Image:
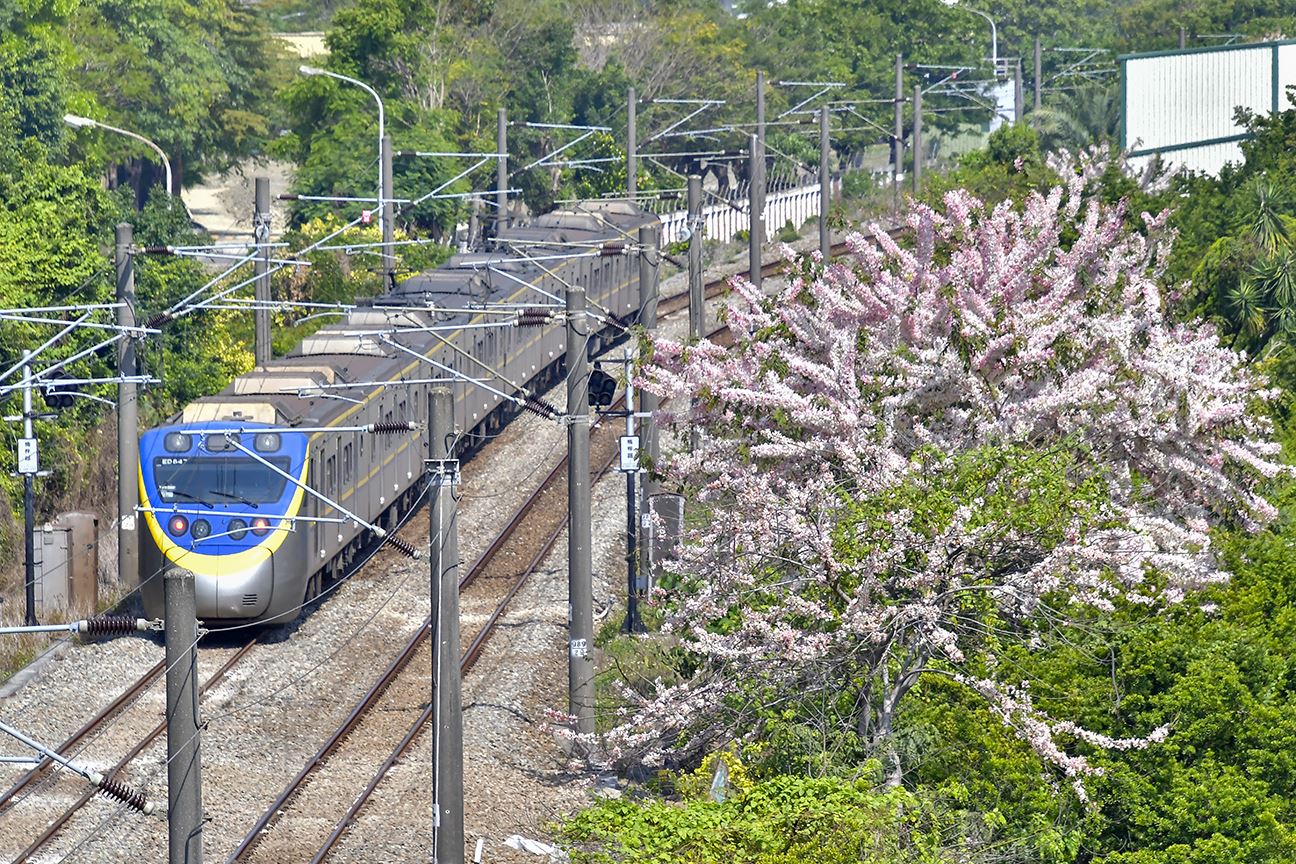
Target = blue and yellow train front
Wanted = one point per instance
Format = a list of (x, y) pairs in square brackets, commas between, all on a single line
[(226, 514)]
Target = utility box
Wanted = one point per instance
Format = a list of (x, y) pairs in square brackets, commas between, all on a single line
[(67, 565), (663, 541)]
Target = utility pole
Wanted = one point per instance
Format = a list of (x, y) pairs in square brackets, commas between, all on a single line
[(580, 573), (474, 223), (501, 171), (443, 532), (632, 623), (184, 745), (1183, 37), (632, 143), (388, 217), (649, 260), (261, 231), (917, 140), (697, 299), (756, 195), (128, 571), (755, 206), (825, 185), (696, 310), (28, 464), (1019, 100), (1039, 74), (897, 146)]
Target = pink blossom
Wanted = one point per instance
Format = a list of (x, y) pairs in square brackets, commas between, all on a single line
[(877, 375)]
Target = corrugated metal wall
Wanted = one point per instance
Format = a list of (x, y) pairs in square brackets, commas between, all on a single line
[(1180, 104)]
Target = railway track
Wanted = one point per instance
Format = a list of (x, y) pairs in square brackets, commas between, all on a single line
[(498, 573), (490, 584), (44, 780)]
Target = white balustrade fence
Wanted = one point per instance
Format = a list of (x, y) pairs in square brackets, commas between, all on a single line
[(723, 221)]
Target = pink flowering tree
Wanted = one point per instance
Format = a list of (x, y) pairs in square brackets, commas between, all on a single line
[(918, 453)]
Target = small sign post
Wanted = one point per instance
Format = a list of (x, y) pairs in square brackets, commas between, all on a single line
[(629, 453)]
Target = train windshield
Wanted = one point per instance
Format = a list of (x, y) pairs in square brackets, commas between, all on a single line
[(219, 479)]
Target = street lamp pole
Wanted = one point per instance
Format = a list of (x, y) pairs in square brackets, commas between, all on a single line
[(383, 194), (83, 122), (994, 32)]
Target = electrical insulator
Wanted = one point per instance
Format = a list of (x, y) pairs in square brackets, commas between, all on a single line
[(116, 625), (401, 546), (533, 317), (536, 405), (158, 320), (610, 249), (132, 798), (391, 428)]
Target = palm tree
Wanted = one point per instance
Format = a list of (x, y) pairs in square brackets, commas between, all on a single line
[(1262, 306), (1088, 114)]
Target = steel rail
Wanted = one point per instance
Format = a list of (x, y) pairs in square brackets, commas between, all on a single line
[(467, 659), (268, 817), (65, 749)]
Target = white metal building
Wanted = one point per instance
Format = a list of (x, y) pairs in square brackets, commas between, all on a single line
[(1180, 104)]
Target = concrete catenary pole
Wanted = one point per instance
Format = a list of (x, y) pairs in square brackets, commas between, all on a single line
[(917, 139), (443, 534), (261, 232), (580, 574), (649, 261), (696, 310), (1039, 74), (501, 170), (632, 143), (897, 138), (1183, 38), (1019, 98), (756, 195), (825, 185), (388, 217), (755, 207), (184, 742), (128, 571), (474, 223)]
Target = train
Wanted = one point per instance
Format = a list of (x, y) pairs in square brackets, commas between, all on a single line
[(225, 485)]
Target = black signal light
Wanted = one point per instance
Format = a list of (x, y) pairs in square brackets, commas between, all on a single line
[(602, 388)]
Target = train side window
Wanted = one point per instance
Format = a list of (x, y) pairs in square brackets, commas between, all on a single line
[(402, 411), (387, 439), (330, 474), (346, 464)]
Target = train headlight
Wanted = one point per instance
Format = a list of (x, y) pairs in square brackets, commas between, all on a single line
[(177, 525), (237, 529), (219, 444), (267, 442), (260, 526), (201, 529), (177, 442)]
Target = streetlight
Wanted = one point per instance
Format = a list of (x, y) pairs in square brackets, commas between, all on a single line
[(315, 70), (83, 122), (994, 32)]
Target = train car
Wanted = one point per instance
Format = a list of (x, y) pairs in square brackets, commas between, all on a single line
[(220, 500)]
